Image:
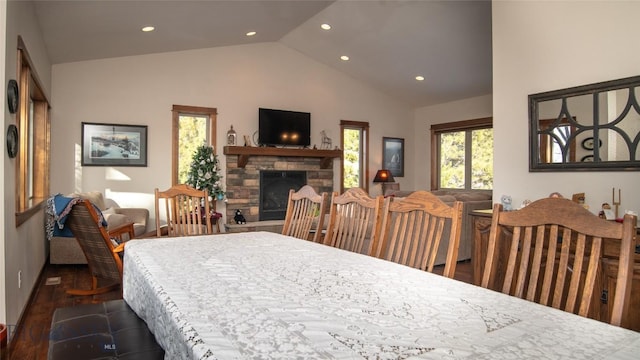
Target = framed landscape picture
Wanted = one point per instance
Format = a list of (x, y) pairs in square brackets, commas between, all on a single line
[(393, 155), (114, 145)]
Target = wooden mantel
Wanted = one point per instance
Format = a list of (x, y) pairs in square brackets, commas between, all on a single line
[(244, 152)]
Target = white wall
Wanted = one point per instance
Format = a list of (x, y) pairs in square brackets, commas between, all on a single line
[(236, 80), (467, 109), (24, 248), (548, 45)]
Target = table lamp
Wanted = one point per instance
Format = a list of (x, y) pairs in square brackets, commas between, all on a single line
[(383, 176)]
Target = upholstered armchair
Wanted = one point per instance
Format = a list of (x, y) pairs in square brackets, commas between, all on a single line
[(64, 248)]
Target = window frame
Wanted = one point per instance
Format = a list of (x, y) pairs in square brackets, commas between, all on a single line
[(438, 129), (34, 128), (546, 146), (363, 127), (176, 111)]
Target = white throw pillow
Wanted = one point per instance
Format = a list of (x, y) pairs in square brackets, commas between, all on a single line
[(95, 197), (115, 220), (109, 211)]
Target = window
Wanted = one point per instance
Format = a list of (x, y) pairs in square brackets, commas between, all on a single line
[(462, 155), (192, 127), (354, 139), (558, 146), (32, 117)]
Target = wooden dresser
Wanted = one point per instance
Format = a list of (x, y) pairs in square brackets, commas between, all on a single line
[(605, 282)]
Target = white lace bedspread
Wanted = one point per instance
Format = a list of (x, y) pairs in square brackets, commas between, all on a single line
[(266, 296)]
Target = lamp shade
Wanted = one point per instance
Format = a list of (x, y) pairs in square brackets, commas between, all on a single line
[(383, 176)]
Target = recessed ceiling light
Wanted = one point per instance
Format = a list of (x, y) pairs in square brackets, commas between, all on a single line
[(420, 78), (251, 33), (148, 28), (325, 26), (344, 58)]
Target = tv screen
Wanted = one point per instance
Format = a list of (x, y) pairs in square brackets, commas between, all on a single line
[(283, 127)]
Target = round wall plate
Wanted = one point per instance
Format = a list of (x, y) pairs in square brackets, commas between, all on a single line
[(588, 143), (13, 96), (12, 141)]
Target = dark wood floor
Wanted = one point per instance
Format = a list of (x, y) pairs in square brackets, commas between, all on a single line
[(32, 339)]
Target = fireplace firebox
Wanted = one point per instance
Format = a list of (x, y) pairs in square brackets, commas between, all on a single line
[(274, 192)]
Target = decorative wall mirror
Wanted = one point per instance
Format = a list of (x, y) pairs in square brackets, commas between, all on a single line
[(593, 127)]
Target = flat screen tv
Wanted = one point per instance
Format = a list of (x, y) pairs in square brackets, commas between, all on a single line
[(284, 128)]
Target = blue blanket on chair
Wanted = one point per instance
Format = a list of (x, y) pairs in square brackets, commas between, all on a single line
[(58, 209)]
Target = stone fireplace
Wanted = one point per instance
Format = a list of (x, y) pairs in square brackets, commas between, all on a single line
[(245, 165)]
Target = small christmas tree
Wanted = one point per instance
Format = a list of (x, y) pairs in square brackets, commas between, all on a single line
[(204, 172)]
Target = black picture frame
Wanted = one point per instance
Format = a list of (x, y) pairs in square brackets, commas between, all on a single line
[(393, 155), (114, 145)]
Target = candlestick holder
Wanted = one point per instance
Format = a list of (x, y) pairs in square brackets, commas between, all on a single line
[(614, 202)]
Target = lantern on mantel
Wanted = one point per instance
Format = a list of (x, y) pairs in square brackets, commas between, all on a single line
[(232, 137)]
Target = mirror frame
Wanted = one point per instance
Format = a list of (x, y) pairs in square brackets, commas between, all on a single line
[(535, 165)]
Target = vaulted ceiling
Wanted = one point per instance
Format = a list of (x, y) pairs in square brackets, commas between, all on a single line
[(388, 42)]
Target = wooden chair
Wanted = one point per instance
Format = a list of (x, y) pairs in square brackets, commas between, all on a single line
[(103, 255), (305, 208), (183, 206), (413, 228), (555, 248), (354, 221)]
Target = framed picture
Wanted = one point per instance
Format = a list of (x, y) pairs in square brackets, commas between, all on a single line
[(114, 145), (393, 155)]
